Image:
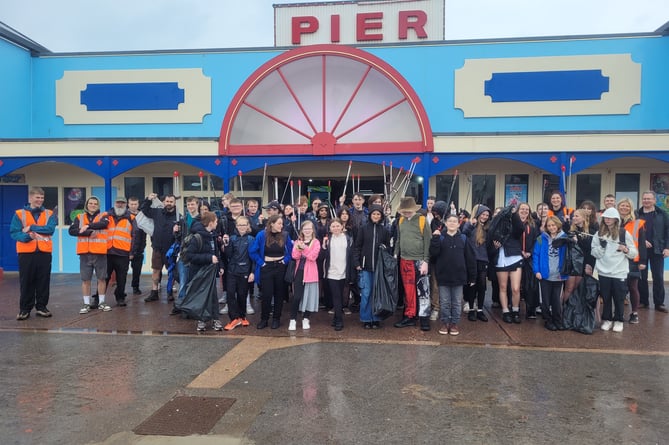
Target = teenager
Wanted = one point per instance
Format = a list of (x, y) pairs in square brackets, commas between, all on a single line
[(455, 268), (271, 251), (306, 250), (239, 272), (547, 261), (475, 230), (370, 237), (613, 254), (337, 262)]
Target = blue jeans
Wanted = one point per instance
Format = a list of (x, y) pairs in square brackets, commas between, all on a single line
[(365, 283), (450, 300), (184, 272)]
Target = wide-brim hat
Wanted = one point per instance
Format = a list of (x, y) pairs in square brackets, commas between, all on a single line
[(408, 203)]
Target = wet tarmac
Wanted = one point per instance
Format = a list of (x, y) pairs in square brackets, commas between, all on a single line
[(94, 378)]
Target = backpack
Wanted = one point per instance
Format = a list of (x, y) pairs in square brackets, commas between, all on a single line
[(188, 246), (421, 222)]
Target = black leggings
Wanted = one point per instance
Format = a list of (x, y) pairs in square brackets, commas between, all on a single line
[(477, 291)]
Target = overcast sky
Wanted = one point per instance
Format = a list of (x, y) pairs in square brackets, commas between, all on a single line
[(118, 25)]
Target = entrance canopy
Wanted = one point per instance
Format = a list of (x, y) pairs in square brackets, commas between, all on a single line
[(325, 100)]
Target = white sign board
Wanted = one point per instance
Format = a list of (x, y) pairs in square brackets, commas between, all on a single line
[(358, 22)]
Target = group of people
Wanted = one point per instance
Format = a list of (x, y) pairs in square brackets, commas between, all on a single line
[(543, 257), (317, 257), (106, 244)]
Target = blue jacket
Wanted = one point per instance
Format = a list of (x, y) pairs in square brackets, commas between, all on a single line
[(16, 227), (257, 252), (540, 255)]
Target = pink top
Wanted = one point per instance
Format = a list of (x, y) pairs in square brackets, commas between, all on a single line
[(311, 254)]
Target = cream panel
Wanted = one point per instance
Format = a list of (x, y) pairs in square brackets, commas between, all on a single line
[(197, 101), (109, 148), (624, 86), (551, 143)]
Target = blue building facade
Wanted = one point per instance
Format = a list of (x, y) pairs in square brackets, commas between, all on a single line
[(489, 120)]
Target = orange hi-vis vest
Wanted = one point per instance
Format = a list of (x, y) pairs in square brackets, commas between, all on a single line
[(633, 227), (41, 242), (97, 242), (119, 236)]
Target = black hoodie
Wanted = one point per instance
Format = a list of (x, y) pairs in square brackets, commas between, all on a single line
[(367, 241)]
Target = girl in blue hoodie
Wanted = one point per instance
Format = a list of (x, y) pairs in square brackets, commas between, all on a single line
[(547, 262)]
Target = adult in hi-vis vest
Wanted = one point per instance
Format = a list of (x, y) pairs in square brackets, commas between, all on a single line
[(90, 228), (119, 245), (32, 228)]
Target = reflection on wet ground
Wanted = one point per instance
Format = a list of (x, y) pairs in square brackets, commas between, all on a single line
[(93, 378)]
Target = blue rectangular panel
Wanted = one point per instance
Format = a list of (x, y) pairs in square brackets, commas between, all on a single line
[(132, 96), (547, 86)]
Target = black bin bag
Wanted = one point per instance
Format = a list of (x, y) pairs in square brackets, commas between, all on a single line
[(384, 290)]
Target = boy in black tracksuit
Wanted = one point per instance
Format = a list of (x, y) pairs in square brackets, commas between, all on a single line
[(239, 271)]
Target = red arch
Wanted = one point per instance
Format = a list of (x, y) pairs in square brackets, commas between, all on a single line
[(323, 142)]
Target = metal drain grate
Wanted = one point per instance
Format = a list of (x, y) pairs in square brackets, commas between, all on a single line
[(183, 416)]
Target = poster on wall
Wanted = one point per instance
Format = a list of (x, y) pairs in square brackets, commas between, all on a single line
[(659, 183), (514, 194), (75, 198)]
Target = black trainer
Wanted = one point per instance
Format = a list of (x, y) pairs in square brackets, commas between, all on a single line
[(405, 322), (424, 323), (506, 317), (471, 316)]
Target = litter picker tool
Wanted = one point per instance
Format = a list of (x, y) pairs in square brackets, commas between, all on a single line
[(241, 186), (450, 193), (285, 189)]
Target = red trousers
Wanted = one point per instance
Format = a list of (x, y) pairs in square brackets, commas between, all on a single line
[(408, 277)]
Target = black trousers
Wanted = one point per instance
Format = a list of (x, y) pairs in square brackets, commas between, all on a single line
[(613, 291), (273, 287), (551, 300), (136, 264), (238, 289), (337, 292), (120, 265), (657, 270), (34, 280)]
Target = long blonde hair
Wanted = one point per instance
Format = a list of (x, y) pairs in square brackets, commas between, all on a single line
[(629, 203), (586, 221)]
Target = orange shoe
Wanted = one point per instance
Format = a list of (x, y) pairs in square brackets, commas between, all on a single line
[(245, 322), (233, 324)]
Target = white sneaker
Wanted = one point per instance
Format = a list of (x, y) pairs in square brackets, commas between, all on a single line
[(465, 308), (201, 326), (104, 307), (606, 325), (224, 310), (292, 325), (249, 307), (617, 326), (85, 309), (305, 323), (434, 315)]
